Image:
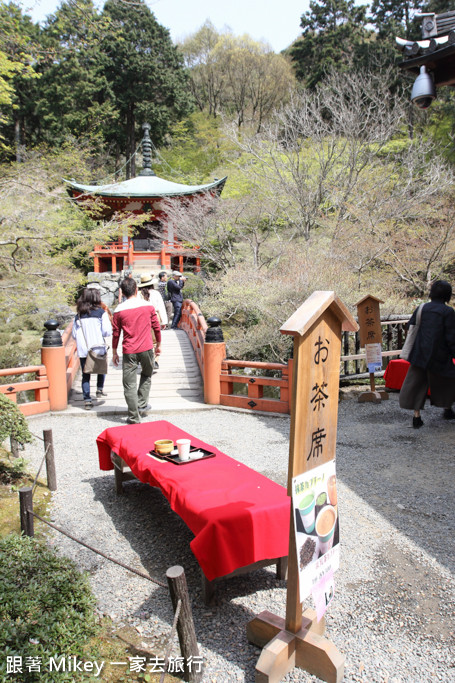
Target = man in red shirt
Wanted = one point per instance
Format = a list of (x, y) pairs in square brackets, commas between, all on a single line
[(135, 317)]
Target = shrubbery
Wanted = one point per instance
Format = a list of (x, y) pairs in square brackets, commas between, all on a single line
[(12, 423), (17, 350), (46, 609)]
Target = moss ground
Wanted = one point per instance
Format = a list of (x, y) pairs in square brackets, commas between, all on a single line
[(109, 645)]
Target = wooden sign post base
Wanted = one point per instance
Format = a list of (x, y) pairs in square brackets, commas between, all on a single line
[(284, 650), (370, 397), (373, 396)]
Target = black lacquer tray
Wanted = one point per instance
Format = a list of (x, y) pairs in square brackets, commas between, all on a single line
[(175, 460)]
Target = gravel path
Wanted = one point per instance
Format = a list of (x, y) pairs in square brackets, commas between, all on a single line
[(393, 613)]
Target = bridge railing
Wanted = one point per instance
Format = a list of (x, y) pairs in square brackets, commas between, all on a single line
[(249, 384), (47, 381), (71, 358), (195, 325), (267, 387), (40, 385)]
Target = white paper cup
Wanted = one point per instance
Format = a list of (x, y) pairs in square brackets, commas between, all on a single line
[(183, 447)]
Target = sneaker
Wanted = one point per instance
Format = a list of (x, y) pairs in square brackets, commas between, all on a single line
[(100, 393), (88, 405), (145, 411), (417, 422), (448, 414), (131, 422)]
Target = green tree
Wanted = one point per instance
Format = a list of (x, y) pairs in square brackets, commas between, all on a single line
[(397, 18), (19, 56), (42, 234), (207, 80), (195, 148), (145, 73), (256, 79), (236, 76), (332, 33), (73, 96)]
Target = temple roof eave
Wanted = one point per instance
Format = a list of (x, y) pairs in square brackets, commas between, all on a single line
[(437, 54), (145, 187)]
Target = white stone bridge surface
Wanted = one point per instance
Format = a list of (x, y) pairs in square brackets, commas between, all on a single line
[(176, 385)]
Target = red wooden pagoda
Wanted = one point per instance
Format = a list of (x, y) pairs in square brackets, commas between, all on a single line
[(144, 194)]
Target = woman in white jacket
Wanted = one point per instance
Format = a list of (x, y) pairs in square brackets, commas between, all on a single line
[(148, 293), (90, 327)]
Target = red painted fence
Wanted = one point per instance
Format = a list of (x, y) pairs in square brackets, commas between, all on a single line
[(249, 385), (40, 384)]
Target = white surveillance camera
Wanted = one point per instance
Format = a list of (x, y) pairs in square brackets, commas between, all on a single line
[(423, 91)]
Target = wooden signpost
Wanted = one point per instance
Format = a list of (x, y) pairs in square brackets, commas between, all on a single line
[(298, 640), (371, 339)]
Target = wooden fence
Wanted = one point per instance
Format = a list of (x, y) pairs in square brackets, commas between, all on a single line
[(39, 383), (250, 385), (71, 357), (195, 325), (267, 387), (353, 360)]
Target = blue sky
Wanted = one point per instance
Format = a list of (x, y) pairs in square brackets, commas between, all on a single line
[(275, 22)]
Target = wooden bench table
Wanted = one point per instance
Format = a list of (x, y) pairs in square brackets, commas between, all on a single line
[(239, 517)]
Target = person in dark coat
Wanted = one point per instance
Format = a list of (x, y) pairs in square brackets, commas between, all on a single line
[(174, 288), (431, 356)]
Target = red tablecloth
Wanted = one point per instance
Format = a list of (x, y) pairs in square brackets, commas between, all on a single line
[(237, 515), (395, 373)]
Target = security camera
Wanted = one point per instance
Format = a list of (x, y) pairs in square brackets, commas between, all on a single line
[(423, 90)]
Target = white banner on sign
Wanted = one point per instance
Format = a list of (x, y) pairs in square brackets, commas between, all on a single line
[(373, 357), (315, 505)]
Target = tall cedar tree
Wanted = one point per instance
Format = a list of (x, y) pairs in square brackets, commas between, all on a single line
[(145, 72), (19, 57), (72, 97), (332, 32), (396, 18)]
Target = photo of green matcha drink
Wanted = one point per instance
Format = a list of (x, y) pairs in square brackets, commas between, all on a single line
[(307, 511)]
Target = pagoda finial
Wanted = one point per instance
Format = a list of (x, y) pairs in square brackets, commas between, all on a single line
[(146, 151)]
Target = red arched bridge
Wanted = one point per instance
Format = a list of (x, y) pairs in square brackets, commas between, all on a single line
[(192, 374)]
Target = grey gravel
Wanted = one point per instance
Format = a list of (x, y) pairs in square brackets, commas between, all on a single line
[(393, 612)]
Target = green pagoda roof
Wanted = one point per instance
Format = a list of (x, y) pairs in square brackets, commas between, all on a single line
[(146, 186)]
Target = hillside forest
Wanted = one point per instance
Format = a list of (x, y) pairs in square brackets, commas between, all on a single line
[(335, 181)]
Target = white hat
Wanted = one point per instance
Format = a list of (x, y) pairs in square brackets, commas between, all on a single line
[(146, 281), (176, 273)]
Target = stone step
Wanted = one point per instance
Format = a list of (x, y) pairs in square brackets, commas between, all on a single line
[(177, 384)]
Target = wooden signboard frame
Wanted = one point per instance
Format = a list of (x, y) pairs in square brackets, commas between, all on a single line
[(369, 318), (298, 640)]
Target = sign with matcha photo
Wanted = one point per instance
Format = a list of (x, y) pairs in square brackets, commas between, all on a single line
[(315, 504)]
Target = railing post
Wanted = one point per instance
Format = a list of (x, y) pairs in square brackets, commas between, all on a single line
[(50, 460), (26, 503), (226, 386), (53, 357), (185, 627), (214, 354), (255, 390), (41, 394)]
